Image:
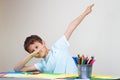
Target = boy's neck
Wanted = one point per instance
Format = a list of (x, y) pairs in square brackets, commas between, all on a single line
[(47, 51)]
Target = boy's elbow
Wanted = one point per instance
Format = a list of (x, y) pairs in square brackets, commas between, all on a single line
[(19, 70), (16, 69)]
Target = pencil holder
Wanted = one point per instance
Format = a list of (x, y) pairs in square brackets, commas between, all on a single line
[(84, 71)]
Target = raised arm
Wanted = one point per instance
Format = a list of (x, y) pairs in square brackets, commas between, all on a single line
[(73, 25)]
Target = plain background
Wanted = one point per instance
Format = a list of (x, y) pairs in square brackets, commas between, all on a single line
[(97, 35)]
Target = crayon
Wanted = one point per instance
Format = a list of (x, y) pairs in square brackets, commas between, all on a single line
[(92, 62), (91, 59)]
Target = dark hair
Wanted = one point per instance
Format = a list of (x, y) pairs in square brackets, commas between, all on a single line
[(30, 40)]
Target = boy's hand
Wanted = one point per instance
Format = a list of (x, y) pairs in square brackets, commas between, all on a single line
[(89, 9), (35, 53)]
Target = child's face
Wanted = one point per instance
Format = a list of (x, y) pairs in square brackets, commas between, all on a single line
[(38, 46)]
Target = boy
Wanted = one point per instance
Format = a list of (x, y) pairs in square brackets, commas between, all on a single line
[(55, 60)]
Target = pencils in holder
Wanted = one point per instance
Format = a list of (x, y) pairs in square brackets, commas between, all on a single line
[(85, 60)]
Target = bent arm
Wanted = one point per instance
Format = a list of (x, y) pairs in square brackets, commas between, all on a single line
[(20, 66), (73, 25)]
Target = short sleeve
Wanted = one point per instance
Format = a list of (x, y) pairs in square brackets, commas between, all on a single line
[(62, 43), (38, 66)]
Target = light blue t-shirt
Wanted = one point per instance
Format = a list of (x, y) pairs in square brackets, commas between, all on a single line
[(58, 59)]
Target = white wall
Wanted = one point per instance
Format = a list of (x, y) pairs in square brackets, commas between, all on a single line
[(97, 35)]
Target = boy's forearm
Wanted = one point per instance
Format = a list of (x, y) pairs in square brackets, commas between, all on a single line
[(73, 25), (19, 66), (77, 21)]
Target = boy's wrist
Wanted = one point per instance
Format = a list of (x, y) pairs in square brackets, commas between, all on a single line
[(31, 55)]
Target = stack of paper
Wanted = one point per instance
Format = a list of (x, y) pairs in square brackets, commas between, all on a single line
[(41, 75), (49, 75)]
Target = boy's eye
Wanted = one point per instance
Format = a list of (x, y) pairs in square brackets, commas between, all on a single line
[(32, 51), (36, 47)]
